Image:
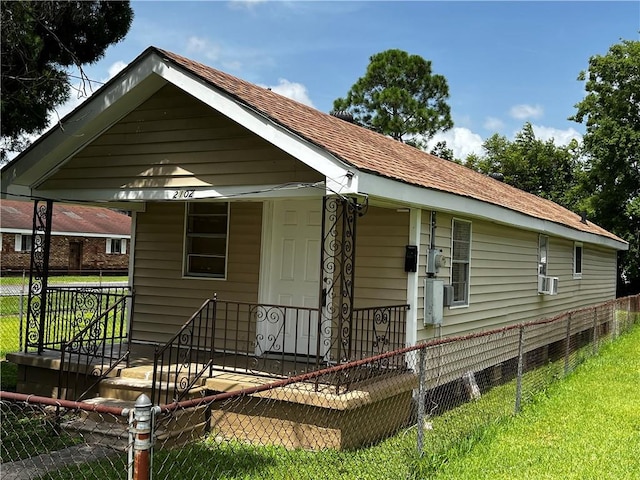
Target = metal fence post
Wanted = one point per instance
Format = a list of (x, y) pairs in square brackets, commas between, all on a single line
[(520, 368), (421, 399), (567, 349), (615, 327), (595, 331), (142, 416)]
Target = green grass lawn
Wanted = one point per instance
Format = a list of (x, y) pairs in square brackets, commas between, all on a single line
[(585, 427), (9, 334)]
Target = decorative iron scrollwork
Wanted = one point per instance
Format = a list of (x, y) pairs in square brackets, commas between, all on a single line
[(38, 274), (337, 261)]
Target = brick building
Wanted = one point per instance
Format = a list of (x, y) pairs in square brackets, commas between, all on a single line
[(83, 239)]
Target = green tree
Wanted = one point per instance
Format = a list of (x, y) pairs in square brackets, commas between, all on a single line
[(611, 112), (399, 96), (533, 165), (442, 150), (39, 42)]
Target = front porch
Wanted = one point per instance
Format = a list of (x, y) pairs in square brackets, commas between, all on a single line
[(288, 302), (213, 352), (192, 367), (306, 313)]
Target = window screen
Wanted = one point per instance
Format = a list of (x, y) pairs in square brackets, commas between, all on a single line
[(460, 257), (206, 239)]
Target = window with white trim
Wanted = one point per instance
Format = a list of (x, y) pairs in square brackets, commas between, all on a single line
[(543, 254), (206, 233), (116, 246), (577, 260), (460, 261), (23, 243)]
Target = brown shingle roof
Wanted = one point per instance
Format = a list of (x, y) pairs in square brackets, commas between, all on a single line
[(374, 153), (66, 218)]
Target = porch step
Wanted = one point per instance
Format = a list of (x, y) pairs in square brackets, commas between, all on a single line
[(232, 381), (114, 435), (99, 428), (144, 372), (107, 402), (130, 388), (173, 429)]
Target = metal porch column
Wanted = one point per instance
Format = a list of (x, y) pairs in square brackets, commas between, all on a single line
[(38, 275), (337, 270)]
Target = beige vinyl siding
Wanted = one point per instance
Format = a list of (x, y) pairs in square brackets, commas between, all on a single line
[(164, 298), (503, 278), (380, 279), (381, 237), (174, 141)]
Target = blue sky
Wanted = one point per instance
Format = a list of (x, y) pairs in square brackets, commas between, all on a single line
[(506, 62)]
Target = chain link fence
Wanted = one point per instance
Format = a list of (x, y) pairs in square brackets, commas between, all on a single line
[(396, 415)]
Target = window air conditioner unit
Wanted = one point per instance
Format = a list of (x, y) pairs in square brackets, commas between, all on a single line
[(547, 285)]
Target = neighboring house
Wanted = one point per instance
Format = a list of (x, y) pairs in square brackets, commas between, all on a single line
[(238, 191), (83, 239)]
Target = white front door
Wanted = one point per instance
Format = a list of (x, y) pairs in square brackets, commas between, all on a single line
[(293, 277)]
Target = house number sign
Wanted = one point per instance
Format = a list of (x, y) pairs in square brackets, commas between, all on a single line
[(180, 194)]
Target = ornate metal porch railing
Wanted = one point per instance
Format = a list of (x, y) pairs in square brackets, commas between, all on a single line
[(378, 330), (95, 351), (185, 358), (267, 340), (68, 311)]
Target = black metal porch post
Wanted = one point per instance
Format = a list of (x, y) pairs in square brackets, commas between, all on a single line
[(38, 274), (337, 262)]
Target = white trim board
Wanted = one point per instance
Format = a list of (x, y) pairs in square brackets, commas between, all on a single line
[(471, 208)]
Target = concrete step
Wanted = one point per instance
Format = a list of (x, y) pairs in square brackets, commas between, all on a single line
[(97, 432), (129, 389), (167, 374), (123, 388), (107, 402), (172, 429)]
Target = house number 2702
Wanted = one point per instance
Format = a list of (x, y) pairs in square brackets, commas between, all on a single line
[(177, 194)]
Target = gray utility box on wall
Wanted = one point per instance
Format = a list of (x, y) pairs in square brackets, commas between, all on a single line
[(433, 301)]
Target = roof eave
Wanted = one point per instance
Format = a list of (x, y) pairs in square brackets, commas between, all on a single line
[(414, 195)]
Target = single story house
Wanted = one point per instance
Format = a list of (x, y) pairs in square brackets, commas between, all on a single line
[(320, 239), (83, 238)]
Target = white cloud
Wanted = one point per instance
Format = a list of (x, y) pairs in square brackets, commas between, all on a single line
[(459, 139), (524, 111), (292, 90), (203, 47), (493, 123), (560, 137), (245, 4), (230, 58)]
